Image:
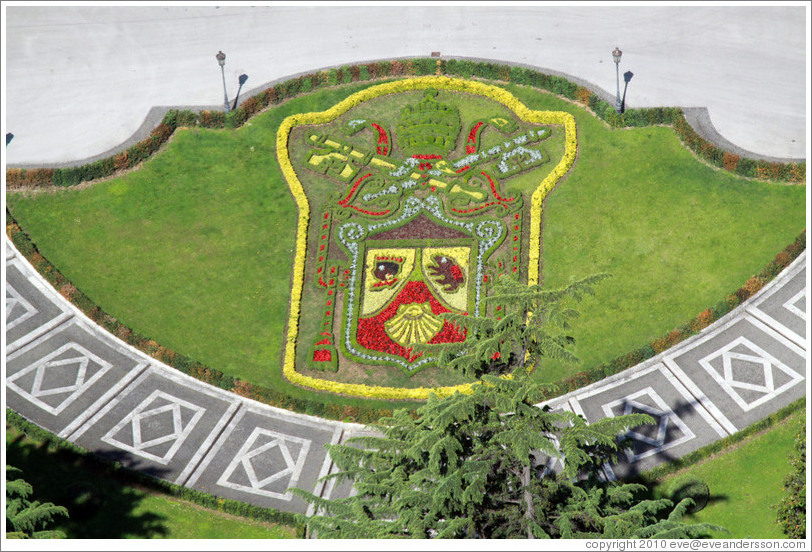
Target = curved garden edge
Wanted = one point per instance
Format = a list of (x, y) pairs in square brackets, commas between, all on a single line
[(692, 124), (362, 414), (21, 179)]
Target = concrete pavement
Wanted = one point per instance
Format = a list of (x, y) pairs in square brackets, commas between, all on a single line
[(80, 382), (81, 80)]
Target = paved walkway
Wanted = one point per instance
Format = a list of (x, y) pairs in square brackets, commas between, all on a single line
[(69, 376), (81, 79)]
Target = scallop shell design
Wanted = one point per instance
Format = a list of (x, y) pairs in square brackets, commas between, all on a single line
[(413, 323)]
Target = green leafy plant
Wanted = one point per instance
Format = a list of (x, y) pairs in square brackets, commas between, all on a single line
[(476, 466), (27, 519)]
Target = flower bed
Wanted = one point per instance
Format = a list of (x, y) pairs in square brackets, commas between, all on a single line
[(397, 298), (17, 178)]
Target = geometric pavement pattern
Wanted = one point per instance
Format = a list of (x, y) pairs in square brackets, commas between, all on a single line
[(157, 428), (18, 310), (667, 431), (748, 373), (267, 464), (797, 304), (57, 380)]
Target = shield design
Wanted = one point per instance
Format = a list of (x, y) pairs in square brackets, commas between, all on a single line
[(414, 213)]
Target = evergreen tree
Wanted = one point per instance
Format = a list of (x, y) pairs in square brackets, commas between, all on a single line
[(531, 323), (26, 519), (474, 466)]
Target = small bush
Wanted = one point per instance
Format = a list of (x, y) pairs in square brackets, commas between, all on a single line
[(583, 95), (730, 161)]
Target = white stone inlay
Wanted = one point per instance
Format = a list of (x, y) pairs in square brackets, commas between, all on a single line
[(250, 451), (757, 363), (663, 416), (18, 309), (182, 417), (50, 366), (797, 304)]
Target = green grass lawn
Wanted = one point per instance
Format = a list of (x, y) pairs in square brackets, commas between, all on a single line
[(746, 482), (125, 511), (195, 248)]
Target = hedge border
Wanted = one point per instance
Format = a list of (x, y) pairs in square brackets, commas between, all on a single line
[(129, 476), (19, 178), (364, 414), (370, 72)]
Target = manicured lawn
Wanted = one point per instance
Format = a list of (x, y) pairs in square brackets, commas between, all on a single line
[(125, 511), (195, 249), (745, 482), (675, 234)]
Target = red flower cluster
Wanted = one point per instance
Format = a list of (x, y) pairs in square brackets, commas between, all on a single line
[(372, 334), (472, 138), (343, 202), (383, 140)]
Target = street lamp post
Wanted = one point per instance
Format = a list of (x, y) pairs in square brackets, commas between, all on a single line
[(616, 53), (221, 59)]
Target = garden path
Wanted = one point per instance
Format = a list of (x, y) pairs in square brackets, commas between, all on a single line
[(73, 378)]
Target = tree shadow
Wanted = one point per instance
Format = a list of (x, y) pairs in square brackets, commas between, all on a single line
[(635, 471), (101, 501)]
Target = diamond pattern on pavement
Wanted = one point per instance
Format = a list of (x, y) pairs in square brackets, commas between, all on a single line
[(18, 310), (797, 305), (268, 464), (749, 374), (668, 430), (157, 428), (58, 379)]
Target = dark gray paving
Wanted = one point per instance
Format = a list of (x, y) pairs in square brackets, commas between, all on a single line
[(162, 424), (30, 309), (744, 368), (73, 378), (261, 455), (784, 307), (63, 377), (681, 423)]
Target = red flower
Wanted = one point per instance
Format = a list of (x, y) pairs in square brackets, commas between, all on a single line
[(322, 355), (372, 334)]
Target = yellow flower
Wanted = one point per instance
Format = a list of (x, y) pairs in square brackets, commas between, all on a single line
[(417, 83)]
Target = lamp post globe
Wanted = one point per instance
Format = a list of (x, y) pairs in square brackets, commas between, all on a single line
[(616, 53), (221, 59)]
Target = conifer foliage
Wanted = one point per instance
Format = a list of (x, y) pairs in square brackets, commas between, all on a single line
[(525, 325), (475, 466), (26, 519)]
